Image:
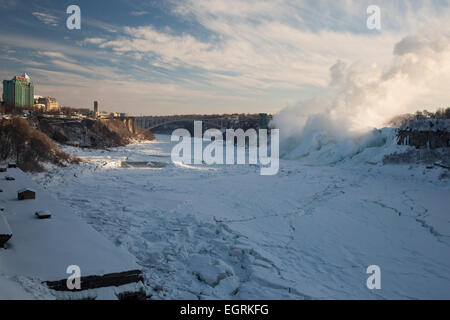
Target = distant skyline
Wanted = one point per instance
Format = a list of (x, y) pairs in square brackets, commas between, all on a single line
[(197, 56)]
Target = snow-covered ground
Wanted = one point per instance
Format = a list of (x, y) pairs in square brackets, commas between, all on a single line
[(42, 250), (308, 232)]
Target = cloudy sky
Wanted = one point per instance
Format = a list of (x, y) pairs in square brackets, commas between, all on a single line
[(198, 56)]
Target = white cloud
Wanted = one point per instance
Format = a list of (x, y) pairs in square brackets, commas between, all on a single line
[(139, 13), (96, 41), (46, 18), (280, 44), (44, 45), (57, 55), (248, 55), (131, 96), (271, 54)]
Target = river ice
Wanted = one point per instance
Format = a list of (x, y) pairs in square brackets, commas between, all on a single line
[(226, 232)]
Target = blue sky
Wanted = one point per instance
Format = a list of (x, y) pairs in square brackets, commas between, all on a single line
[(198, 56)]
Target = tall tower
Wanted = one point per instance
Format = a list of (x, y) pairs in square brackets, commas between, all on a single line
[(96, 108), (262, 121)]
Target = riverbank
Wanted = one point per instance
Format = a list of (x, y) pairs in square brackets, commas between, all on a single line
[(34, 143), (93, 133)]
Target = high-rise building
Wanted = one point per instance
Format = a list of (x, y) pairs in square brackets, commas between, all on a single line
[(19, 91)]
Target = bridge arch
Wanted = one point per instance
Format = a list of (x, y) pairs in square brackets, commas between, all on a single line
[(206, 124)]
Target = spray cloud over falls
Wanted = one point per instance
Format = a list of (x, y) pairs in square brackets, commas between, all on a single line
[(363, 98)]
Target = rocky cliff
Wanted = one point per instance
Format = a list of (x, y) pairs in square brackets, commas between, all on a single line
[(430, 133), (101, 133), (31, 142)]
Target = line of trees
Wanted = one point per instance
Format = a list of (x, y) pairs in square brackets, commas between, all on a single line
[(441, 113)]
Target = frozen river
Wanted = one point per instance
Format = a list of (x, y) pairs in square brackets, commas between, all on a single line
[(224, 232)]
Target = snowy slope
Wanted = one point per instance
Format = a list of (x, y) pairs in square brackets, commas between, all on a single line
[(23, 288), (309, 232)]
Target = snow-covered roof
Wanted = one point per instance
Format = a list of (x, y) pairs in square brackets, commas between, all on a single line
[(25, 189), (43, 212)]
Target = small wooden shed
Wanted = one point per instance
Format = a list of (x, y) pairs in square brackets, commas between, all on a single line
[(26, 194), (12, 165), (43, 214), (5, 231)]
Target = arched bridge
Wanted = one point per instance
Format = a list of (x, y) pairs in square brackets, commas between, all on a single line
[(151, 123), (217, 123)]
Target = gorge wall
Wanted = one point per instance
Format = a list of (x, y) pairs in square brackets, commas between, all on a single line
[(90, 133)]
